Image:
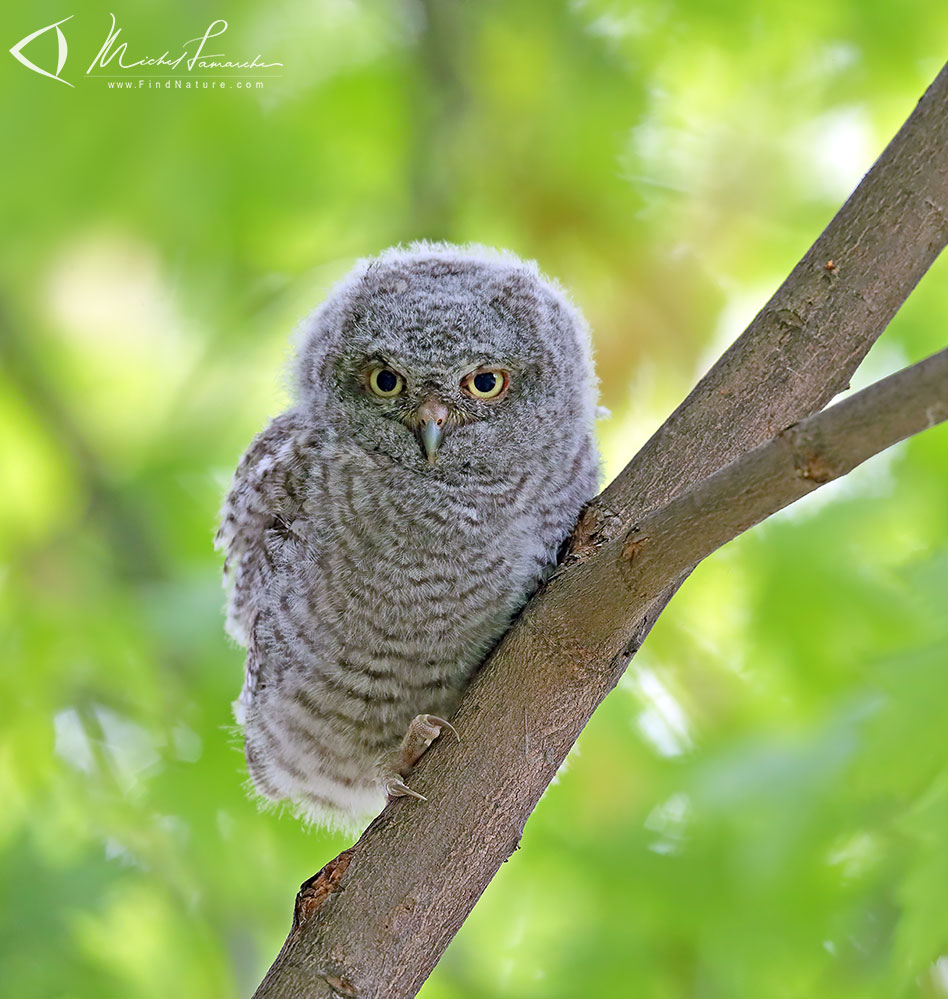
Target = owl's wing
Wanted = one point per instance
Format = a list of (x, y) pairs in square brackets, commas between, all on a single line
[(261, 521)]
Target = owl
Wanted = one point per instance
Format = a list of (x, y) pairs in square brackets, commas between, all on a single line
[(382, 532)]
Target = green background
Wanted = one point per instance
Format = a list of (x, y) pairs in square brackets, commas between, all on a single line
[(760, 809)]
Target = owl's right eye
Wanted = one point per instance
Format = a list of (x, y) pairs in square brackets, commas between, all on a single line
[(385, 383)]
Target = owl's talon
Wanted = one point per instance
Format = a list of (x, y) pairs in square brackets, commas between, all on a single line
[(399, 789), (422, 732), (435, 720)]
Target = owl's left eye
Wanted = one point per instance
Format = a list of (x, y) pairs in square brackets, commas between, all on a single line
[(486, 383), (385, 383)]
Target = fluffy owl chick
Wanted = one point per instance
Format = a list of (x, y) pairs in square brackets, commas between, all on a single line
[(381, 533)]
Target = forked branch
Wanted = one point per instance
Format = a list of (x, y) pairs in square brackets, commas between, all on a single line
[(376, 920)]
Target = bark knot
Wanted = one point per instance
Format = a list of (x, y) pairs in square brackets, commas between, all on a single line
[(340, 986), (817, 469), (319, 887), (810, 460), (789, 319), (633, 545), (596, 525)]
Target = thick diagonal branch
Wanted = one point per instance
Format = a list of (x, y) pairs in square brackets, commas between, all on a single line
[(411, 880)]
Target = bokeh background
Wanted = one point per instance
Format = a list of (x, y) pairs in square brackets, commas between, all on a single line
[(760, 809)]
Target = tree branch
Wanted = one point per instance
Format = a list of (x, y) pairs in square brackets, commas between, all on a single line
[(375, 921)]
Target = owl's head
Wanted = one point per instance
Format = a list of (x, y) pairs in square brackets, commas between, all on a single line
[(450, 360)]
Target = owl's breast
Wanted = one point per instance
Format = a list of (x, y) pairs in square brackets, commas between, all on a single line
[(412, 567)]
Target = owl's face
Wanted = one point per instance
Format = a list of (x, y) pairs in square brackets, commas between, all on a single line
[(450, 362)]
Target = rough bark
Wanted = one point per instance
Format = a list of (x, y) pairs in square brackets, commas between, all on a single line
[(375, 921)]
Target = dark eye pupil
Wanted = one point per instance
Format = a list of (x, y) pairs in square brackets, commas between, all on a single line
[(485, 381), (386, 380)]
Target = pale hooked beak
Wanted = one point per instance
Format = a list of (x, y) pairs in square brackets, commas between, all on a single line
[(432, 417)]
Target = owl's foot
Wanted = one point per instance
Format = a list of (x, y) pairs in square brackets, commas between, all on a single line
[(422, 731)]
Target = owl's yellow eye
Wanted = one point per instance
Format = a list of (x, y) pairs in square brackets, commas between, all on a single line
[(486, 383), (385, 383)]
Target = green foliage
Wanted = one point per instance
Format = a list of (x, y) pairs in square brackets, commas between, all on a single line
[(760, 809)]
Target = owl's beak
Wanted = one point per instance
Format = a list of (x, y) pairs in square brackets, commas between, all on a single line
[(432, 416)]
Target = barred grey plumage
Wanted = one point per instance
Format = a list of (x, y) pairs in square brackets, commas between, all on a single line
[(381, 533)]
